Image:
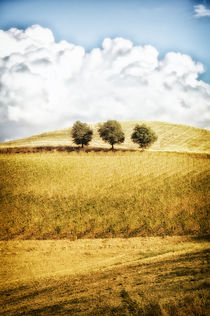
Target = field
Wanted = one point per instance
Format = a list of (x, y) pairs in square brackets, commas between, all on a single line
[(171, 137), (106, 233), (61, 195), (134, 276)]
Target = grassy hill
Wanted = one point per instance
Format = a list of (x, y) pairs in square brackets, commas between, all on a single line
[(57, 195), (62, 195), (171, 137), (135, 276), (60, 213)]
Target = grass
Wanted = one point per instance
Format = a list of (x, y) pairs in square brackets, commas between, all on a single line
[(171, 137), (51, 202), (77, 195), (135, 276)]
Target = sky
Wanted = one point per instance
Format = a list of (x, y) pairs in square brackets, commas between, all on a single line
[(93, 60)]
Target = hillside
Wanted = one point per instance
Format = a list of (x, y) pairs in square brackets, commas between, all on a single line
[(62, 195), (106, 233), (135, 276), (171, 137)]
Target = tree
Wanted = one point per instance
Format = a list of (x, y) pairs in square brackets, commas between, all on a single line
[(111, 132), (144, 136), (81, 133)]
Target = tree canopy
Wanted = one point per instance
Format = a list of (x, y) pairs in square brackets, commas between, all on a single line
[(143, 135), (81, 133), (111, 132)]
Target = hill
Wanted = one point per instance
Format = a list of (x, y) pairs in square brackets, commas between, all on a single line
[(114, 194), (171, 137), (104, 233), (135, 276)]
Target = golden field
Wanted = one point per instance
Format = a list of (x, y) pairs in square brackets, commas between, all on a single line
[(106, 233), (134, 276), (171, 137), (62, 195)]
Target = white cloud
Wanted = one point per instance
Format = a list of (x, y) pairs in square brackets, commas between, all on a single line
[(48, 85), (201, 11)]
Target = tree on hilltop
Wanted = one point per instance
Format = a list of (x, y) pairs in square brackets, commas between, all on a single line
[(81, 133), (111, 132), (144, 136)]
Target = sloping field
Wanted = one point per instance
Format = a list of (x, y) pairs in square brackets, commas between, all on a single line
[(171, 137), (57, 208), (135, 276), (74, 195)]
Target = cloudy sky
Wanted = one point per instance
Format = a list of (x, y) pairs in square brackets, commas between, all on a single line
[(93, 60)]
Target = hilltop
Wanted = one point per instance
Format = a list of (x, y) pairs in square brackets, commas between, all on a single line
[(171, 137)]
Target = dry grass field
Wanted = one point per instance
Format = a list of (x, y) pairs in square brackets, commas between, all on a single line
[(71, 195), (106, 233), (134, 276), (171, 137)]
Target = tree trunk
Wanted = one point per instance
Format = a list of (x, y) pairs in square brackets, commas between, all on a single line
[(82, 145), (112, 146)]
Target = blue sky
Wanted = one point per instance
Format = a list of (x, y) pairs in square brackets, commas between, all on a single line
[(93, 60), (168, 25)]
